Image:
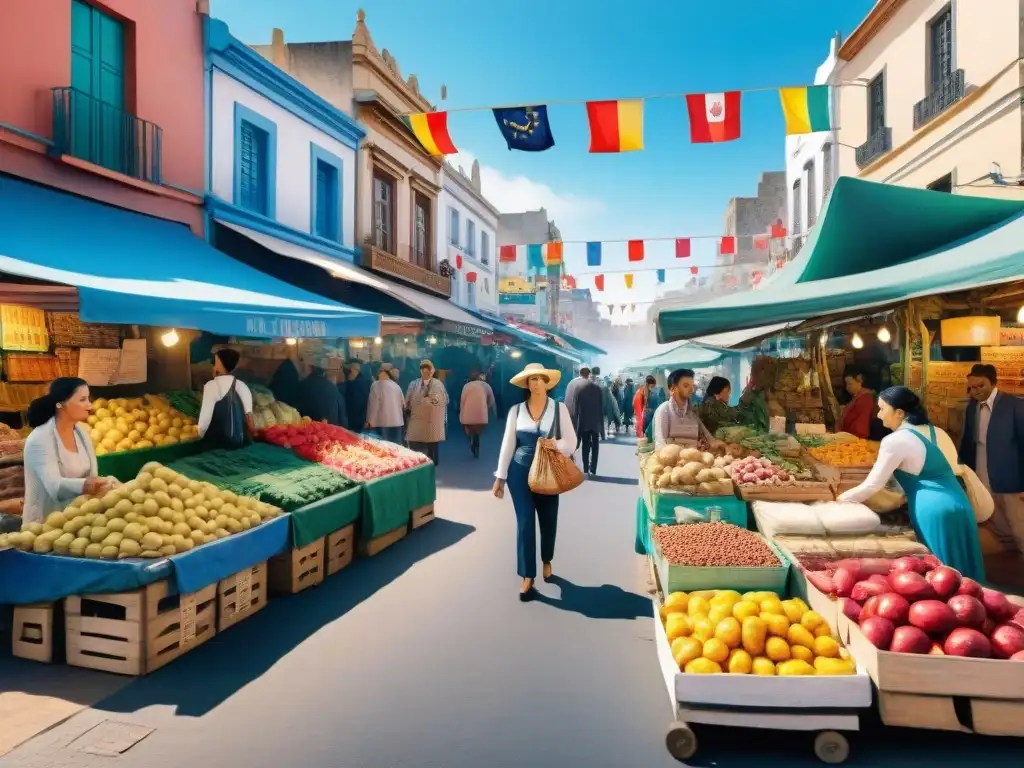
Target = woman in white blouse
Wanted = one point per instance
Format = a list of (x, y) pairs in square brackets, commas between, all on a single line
[(939, 509), (528, 422), (60, 462)]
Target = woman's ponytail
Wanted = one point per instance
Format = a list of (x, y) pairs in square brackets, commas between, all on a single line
[(41, 410)]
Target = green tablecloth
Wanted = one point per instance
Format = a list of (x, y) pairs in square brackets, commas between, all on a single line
[(316, 520), (127, 464), (387, 501), (642, 542)]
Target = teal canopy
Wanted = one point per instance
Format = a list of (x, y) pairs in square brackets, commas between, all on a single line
[(689, 354), (876, 244)]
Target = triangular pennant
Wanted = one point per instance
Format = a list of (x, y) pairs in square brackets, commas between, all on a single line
[(693, 270), (599, 282)]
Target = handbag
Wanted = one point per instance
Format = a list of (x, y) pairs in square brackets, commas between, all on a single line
[(982, 503), (552, 472)]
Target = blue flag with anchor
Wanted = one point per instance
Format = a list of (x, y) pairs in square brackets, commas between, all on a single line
[(525, 128)]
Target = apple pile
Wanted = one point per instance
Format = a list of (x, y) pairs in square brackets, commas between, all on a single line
[(919, 605)]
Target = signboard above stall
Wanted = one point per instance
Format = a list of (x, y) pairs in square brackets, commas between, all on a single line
[(23, 329)]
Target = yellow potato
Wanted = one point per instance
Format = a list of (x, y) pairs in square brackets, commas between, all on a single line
[(719, 612), (715, 650), (753, 634), (793, 610), (811, 620), (778, 625), (726, 597), (777, 649), (728, 630), (822, 630), (673, 603), (763, 666), (826, 646), (677, 625), (704, 594), (794, 667), (702, 666), (799, 635), (799, 652), (772, 605), (745, 608), (703, 629), (698, 606), (685, 650), (760, 597), (739, 662), (827, 666)]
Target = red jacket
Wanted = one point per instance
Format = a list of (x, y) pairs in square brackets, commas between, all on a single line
[(857, 416)]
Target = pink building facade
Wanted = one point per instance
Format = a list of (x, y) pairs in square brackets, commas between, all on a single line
[(106, 99)]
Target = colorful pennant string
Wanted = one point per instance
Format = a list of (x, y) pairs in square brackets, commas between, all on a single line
[(593, 254), (635, 250)]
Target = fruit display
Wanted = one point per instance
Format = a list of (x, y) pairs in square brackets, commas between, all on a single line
[(856, 453), (130, 424), (354, 456), (918, 605), (158, 514), (755, 633), (265, 472), (12, 489), (268, 412), (752, 471), (714, 545), (689, 470)]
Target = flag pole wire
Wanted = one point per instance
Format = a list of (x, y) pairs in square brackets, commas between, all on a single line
[(647, 239)]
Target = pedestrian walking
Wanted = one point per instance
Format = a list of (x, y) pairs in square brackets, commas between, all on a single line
[(320, 400), (626, 404), (645, 402), (538, 418), (385, 411), (427, 405), (588, 420), (357, 394), (475, 406)]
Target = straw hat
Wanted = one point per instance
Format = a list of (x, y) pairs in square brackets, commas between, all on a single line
[(536, 369)]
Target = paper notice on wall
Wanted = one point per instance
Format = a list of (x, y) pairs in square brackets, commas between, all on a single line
[(131, 368), (98, 366)]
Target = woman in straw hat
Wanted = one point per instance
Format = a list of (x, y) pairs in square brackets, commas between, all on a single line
[(528, 422)]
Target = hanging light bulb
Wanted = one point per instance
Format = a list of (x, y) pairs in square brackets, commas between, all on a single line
[(824, 338), (406, 339), (1020, 315), (857, 341), (515, 354), (170, 338), (883, 334), (432, 340), (291, 342), (378, 340)]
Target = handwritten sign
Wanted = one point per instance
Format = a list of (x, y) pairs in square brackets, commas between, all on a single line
[(131, 367), (98, 366), (23, 329)]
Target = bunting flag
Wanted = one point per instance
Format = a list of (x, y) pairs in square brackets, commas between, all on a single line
[(693, 270), (761, 242), (632, 307), (554, 253), (727, 246), (622, 308), (507, 254), (661, 275), (471, 277), (682, 247), (525, 128), (599, 282), (616, 126), (714, 117), (431, 130), (458, 261), (806, 109), (636, 250), (535, 257), (611, 308), (777, 231), (593, 254), (629, 280)]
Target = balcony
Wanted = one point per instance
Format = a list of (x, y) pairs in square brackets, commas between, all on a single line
[(945, 93), (877, 145), (402, 269), (91, 130)]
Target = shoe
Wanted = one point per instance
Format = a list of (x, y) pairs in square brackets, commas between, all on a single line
[(548, 574), (527, 594)]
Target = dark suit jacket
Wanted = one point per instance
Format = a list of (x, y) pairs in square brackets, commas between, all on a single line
[(320, 399), (571, 390), (589, 408), (1004, 443)]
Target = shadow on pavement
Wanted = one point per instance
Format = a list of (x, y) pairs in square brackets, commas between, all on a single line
[(615, 480), (246, 651), (604, 602)]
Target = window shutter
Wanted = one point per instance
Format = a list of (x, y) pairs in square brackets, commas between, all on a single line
[(249, 168)]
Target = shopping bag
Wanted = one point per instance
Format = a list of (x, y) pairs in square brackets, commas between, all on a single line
[(982, 503), (552, 472)]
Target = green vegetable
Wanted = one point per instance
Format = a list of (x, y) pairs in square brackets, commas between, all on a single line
[(185, 401)]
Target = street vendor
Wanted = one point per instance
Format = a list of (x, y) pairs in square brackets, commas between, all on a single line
[(940, 511), (856, 419), (676, 419), (715, 411)]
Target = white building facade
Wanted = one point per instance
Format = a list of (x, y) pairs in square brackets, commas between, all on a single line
[(468, 234), (811, 164)]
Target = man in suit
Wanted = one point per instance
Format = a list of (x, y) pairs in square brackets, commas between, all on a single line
[(572, 388), (587, 411), (993, 446)]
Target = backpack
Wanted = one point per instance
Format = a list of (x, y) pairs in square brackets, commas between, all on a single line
[(228, 427)]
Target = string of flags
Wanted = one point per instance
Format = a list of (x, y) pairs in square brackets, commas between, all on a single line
[(618, 125)]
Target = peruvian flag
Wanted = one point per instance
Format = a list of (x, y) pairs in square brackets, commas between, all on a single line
[(714, 116)]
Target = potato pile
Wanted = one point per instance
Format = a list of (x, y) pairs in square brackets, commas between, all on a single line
[(128, 424), (689, 470), (158, 514)]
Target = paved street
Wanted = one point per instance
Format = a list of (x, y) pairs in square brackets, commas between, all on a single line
[(423, 658)]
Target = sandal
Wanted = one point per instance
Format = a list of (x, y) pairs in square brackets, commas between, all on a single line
[(547, 572), (527, 591)]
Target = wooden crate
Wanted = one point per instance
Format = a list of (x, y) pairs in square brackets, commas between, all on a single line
[(341, 549), (137, 632), (376, 545), (297, 569), (422, 516), (241, 595), (817, 491), (33, 633), (987, 717)]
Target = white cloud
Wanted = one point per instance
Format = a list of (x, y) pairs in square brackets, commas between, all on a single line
[(513, 194)]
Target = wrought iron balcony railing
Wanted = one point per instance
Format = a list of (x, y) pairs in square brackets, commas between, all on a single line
[(403, 267), (91, 130), (945, 93), (877, 145)]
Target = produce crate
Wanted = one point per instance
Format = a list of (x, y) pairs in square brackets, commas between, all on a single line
[(685, 578), (241, 595), (35, 628), (31, 367), (421, 516), (376, 545), (987, 717), (810, 491), (341, 549), (66, 330), (137, 632), (67, 361), (297, 569)]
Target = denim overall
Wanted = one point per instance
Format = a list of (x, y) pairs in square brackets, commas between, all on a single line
[(529, 504)]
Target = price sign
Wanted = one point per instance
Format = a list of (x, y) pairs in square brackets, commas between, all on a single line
[(243, 592), (188, 619)]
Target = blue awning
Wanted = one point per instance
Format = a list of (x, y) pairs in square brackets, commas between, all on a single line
[(134, 269)]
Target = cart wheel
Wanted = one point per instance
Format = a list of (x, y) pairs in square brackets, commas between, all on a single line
[(831, 747), (681, 741)]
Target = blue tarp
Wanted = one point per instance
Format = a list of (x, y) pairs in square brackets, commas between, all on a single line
[(135, 269)]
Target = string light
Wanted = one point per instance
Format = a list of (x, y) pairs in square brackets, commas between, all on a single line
[(291, 342), (378, 340), (515, 354), (1020, 316), (170, 338), (857, 341), (883, 335)]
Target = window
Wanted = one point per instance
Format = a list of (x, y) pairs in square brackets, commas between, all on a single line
[(945, 184), (940, 34), (98, 127), (383, 212), (826, 172), (470, 237), (796, 208), (453, 226), (812, 214), (255, 162), (471, 295), (485, 247), (421, 230), (876, 106), (325, 172)]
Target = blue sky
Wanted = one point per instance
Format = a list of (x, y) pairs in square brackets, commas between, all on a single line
[(533, 51)]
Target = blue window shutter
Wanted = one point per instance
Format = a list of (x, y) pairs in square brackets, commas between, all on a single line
[(252, 185), (98, 130), (326, 174)]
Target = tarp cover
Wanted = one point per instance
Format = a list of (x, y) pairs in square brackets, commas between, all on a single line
[(689, 354), (135, 269)]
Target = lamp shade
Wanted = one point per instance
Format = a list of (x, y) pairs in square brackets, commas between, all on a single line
[(978, 331)]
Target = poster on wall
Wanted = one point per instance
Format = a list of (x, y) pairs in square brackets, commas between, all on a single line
[(23, 329)]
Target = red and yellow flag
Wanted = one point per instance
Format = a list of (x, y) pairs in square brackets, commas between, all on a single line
[(554, 253), (629, 284), (616, 126), (431, 130)]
